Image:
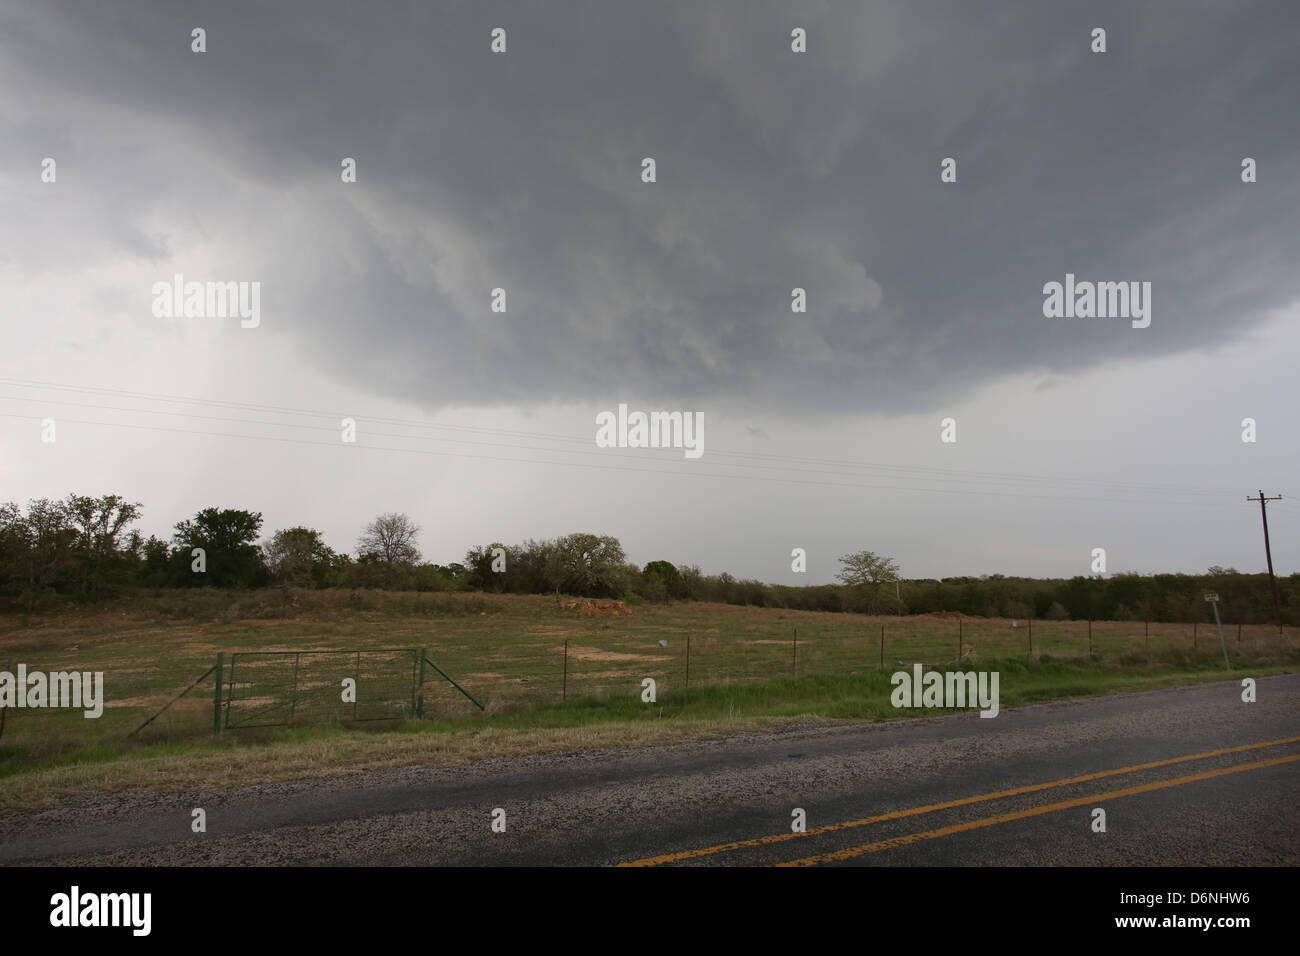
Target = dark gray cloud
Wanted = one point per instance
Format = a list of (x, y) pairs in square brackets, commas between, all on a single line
[(775, 170)]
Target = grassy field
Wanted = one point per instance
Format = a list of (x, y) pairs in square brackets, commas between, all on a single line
[(749, 667)]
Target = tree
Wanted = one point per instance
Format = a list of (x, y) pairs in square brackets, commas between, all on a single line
[(298, 557), (228, 538), (390, 540), (13, 548), (45, 539), (692, 581), (479, 561), (529, 567), (1016, 609), (868, 571), (587, 565), (98, 522), (156, 559), (439, 577), (663, 576)]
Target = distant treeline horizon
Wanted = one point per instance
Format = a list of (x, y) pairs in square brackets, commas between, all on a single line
[(81, 548)]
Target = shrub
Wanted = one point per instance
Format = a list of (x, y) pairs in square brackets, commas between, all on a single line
[(1057, 612)]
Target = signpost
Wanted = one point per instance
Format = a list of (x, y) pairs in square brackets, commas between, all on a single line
[(1214, 600)]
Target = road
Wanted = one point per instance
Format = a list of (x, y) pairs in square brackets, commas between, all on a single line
[(1186, 777)]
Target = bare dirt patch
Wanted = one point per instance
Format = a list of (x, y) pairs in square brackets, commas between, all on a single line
[(582, 653), (599, 608), (155, 702)]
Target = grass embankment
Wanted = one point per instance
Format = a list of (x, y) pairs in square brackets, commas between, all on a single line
[(746, 672)]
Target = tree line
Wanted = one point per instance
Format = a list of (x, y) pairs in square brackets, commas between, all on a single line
[(83, 547)]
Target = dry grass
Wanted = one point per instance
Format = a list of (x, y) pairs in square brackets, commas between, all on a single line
[(508, 651), (346, 754)]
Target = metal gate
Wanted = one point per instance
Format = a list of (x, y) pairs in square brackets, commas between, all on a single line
[(274, 688)]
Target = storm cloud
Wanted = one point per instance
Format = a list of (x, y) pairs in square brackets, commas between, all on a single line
[(775, 170)]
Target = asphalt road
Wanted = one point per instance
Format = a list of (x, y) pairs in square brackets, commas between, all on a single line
[(911, 792)]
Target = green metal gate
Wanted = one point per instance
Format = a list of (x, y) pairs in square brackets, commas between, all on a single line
[(274, 688)]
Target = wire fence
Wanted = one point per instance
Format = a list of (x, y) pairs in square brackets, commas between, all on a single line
[(703, 658), (604, 666), (573, 661), (274, 688)]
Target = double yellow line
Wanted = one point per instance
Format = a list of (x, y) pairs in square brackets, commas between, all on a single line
[(986, 821)]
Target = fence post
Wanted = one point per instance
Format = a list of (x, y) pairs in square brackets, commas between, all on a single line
[(959, 639), (417, 695), (1090, 639), (356, 688), (1031, 637), (1146, 637), (794, 661), (1238, 632), (1193, 635), (1219, 625), (293, 703), (882, 647), (564, 688), (216, 697), (688, 662)]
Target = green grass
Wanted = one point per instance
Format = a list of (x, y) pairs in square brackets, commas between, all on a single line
[(745, 672)]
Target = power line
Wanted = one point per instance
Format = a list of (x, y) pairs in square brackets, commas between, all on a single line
[(792, 463), (689, 471), (905, 470), (1161, 486), (604, 453)]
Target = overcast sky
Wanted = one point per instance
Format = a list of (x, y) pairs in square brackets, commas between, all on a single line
[(774, 169)]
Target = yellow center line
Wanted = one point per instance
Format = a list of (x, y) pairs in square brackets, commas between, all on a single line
[(931, 808), (1032, 812)]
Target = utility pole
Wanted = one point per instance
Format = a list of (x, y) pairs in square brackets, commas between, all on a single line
[(1263, 513)]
